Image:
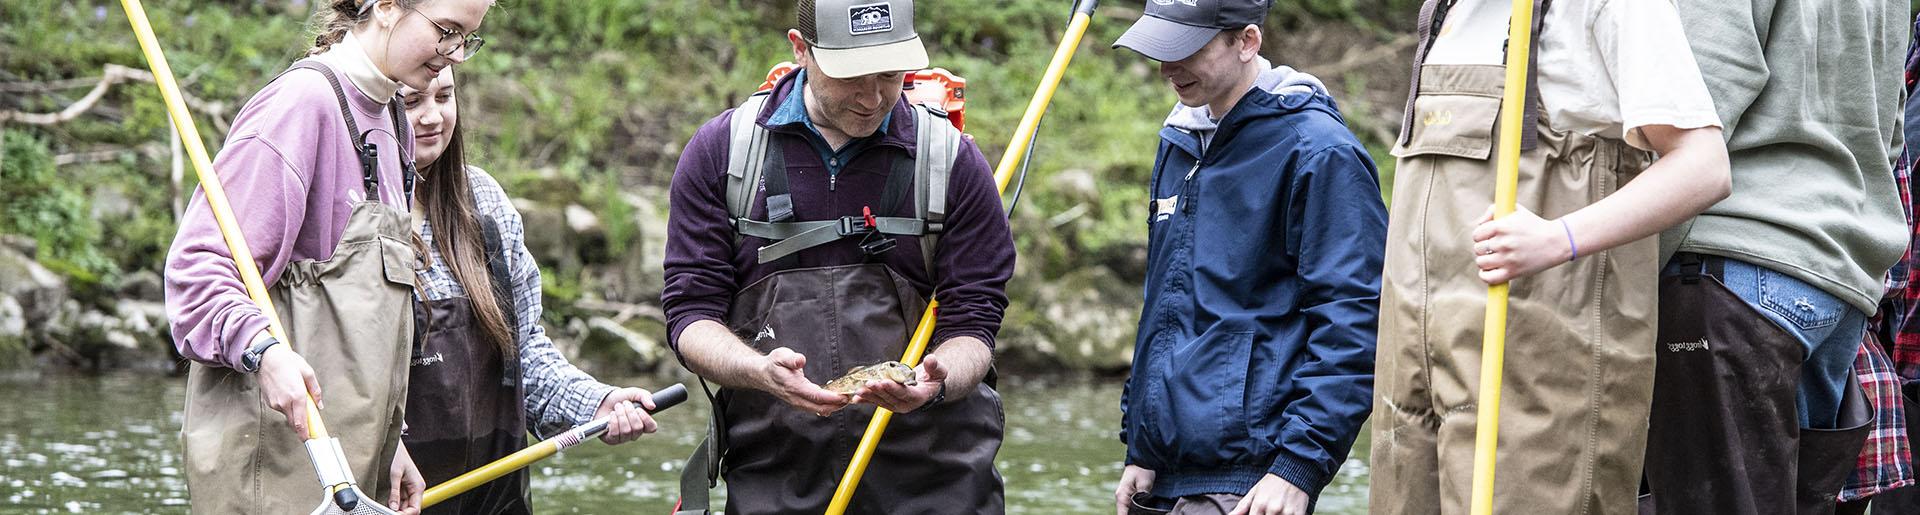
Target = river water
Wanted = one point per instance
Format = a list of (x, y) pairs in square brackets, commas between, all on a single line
[(109, 444)]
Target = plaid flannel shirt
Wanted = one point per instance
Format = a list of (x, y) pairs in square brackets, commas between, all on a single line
[(1886, 461), (559, 395)]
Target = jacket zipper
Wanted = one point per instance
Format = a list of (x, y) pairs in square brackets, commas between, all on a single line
[(1186, 188)]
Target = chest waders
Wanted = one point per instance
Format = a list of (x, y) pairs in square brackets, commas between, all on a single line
[(1579, 359), (1725, 434), (465, 403), (350, 314), (780, 460)]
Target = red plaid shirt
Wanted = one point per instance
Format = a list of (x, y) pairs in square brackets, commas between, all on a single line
[(1886, 462)]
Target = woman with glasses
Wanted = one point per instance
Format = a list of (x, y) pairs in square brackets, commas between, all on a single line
[(318, 167), (484, 372)]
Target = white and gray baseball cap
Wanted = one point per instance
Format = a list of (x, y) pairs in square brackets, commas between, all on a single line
[(1173, 30), (851, 38)]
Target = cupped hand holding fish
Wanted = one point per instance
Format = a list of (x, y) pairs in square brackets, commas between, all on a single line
[(905, 396), (784, 374)]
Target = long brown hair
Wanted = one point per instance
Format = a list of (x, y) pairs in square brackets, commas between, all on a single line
[(446, 196)]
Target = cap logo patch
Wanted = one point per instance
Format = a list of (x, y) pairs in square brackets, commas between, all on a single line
[(870, 18)]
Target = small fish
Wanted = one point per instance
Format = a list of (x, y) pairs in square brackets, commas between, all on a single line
[(856, 377)]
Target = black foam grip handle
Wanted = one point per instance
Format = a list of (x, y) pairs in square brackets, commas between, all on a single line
[(668, 397), (1085, 6), (346, 499)]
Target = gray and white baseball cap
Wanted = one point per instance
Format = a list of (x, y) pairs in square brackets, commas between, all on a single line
[(1173, 30), (851, 38)]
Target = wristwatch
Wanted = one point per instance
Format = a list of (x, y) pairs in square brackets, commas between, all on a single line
[(250, 360), (935, 401)]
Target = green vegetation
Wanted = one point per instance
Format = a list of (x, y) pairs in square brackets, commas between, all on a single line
[(601, 95)]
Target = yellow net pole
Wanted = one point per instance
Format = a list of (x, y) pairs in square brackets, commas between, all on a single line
[(216, 196), (1009, 162), (1493, 346), (665, 398)]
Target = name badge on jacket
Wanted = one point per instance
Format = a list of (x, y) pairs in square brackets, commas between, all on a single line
[(1165, 207)]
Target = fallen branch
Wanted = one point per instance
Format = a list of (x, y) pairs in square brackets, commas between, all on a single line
[(152, 151), (1388, 50), (622, 311), (111, 75)]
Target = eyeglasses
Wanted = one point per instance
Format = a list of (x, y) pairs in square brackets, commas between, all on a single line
[(450, 40)]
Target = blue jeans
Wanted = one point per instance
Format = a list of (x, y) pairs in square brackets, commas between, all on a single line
[(1828, 327)]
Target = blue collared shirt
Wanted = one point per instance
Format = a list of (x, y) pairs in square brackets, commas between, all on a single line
[(794, 111)]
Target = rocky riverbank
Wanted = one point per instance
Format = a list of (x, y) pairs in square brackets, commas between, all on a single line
[(603, 279)]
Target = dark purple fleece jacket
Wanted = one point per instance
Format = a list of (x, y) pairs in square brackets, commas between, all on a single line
[(705, 269)]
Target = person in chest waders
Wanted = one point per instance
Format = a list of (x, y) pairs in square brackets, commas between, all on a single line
[(785, 270), (318, 165), (484, 372), (1764, 305), (1613, 85)]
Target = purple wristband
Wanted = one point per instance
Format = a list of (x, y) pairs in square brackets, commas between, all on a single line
[(1570, 244)]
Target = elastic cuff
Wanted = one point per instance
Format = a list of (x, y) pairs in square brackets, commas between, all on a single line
[(249, 323), (1302, 475)]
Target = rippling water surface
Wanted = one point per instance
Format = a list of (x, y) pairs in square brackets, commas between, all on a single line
[(108, 444)]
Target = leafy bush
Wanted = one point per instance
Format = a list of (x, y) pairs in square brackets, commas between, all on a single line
[(34, 201)]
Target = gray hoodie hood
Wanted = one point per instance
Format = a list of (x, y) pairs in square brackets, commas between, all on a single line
[(1279, 80)]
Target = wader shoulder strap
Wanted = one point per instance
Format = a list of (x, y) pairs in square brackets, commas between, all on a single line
[(369, 156), (502, 279), (1530, 119), (702, 472), (938, 144), (746, 155), (403, 131), (1433, 16), (368, 153)]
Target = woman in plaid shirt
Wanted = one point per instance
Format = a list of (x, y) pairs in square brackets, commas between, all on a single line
[(484, 372)]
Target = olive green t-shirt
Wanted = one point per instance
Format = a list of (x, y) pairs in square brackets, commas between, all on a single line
[(1809, 93)]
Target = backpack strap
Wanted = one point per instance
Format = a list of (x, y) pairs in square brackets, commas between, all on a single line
[(746, 156), (937, 144)]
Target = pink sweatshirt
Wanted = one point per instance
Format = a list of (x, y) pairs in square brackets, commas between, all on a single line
[(292, 179)]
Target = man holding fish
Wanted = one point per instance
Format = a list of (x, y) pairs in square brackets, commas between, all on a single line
[(769, 308)]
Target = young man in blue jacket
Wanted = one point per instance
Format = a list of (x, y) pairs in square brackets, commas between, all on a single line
[(1253, 368)]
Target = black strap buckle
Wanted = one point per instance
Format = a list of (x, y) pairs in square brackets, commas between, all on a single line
[(1692, 267), (865, 223), (851, 225), (874, 243), (370, 170)]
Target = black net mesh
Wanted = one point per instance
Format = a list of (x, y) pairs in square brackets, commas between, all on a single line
[(807, 24)]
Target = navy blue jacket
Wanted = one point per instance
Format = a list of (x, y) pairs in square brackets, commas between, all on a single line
[(1256, 342)]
